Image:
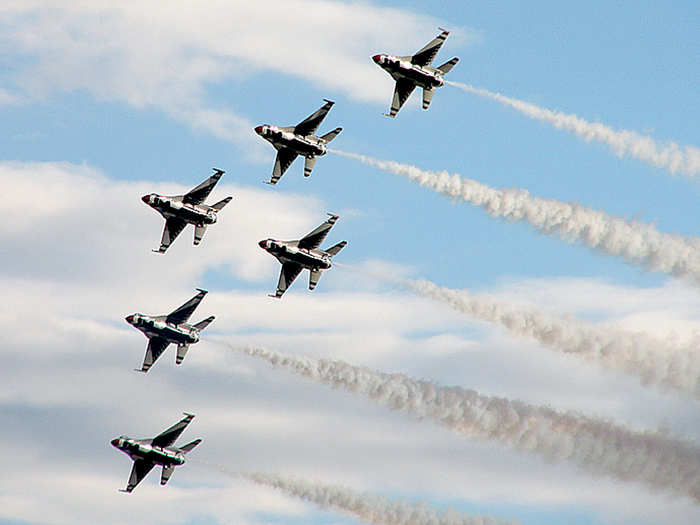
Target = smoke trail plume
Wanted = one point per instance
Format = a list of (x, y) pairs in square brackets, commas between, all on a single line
[(600, 447), (670, 156), (652, 360), (366, 507), (635, 242)]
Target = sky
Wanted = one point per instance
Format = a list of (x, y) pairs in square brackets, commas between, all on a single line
[(102, 104)]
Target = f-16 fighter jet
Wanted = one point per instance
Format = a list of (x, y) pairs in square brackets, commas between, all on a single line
[(181, 210), (292, 141), (147, 453), (163, 330), (304, 253), (412, 71)]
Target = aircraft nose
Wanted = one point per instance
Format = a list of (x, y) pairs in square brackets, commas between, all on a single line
[(146, 198), (376, 58), (115, 442), (263, 244), (258, 130), (129, 319)]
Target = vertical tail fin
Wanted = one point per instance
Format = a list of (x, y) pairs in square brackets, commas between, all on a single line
[(331, 135), (447, 66), (333, 250)]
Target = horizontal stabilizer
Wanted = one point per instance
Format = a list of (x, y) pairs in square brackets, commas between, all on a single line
[(199, 231), (201, 325), (309, 165), (427, 97), (181, 353), (167, 472), (447, 66), (221, 203), (190, 446), (333, 250), (314, 276), (331, 135)]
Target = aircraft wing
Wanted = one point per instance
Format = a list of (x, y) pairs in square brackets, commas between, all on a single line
[(311, 123), (168, 437), (156, 346), (139, 471), (425, 56), (289, 272), (172, 229), (285, 157), (183, 313), (402, 91), (313, 240), (201, 192)]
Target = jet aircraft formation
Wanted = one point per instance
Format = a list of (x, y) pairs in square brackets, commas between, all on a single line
[(294, 256)]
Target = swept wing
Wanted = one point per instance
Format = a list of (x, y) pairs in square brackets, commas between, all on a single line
[(284, 159), (426, 55), (139, 471), (156, 346), (173, 228), (289, 272), (313, 240), (200, 193), (402, 91), (310, 124), (183, 313), (168, 436)]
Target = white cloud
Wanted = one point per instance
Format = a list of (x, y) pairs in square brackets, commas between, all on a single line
[(164, 54), (68, 355)]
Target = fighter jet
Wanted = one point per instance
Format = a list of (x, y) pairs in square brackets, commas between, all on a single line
[(147, 453), (292, 141), (181, 210), (304, 253), (162, 330), (412, 71)]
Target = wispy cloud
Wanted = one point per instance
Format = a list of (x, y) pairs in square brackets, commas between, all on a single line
[(157, 57)]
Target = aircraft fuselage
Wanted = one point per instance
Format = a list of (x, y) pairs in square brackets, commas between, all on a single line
[(174, 207), (400, 68), (143, 449), (305, 145), (286, 251), (159, 327)]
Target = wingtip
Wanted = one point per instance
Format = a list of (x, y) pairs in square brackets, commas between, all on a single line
[(329, 101), (274, 296), (140, 370), (202, 290), (188, 414), (269, 182), (218, 171), (444, 30)]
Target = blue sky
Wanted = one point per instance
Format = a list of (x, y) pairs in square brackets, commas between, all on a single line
[(117, 102)]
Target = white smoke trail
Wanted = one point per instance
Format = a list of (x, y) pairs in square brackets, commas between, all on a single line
[(635, 242), (366, 507), (652, 360), (670, 156), (600, 447)]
